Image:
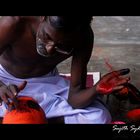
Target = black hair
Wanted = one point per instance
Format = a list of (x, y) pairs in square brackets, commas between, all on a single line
[(69, 22)]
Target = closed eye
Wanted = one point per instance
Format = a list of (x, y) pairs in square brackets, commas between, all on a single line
[(46, 36)]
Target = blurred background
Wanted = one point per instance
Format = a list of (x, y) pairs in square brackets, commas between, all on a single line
[(117, 42)]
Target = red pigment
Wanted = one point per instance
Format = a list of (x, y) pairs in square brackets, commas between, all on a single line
[(125, 90), (27, 112), (118, 122), (105, 88), (133, 115)]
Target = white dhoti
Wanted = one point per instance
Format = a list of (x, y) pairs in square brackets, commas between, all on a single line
[(51, 92)]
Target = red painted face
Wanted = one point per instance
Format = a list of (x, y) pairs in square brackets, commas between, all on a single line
[(27, 112)]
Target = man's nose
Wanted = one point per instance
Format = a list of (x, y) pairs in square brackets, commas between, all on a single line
[(50, 47)]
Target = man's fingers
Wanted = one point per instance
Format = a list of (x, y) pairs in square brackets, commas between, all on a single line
[(124, 71), (118, 73), (123, 81), (8, 94), (0, 101), (115, 74), (16, 89), (22, 86), (5, 100), (118, 88), (12, 95), (13, 90)]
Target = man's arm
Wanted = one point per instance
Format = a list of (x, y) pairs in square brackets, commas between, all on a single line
[(8, 27), (79, 96)]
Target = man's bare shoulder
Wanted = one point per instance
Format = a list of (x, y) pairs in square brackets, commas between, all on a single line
[(15, 19), (9, 26), (85, 46), (86, 40), (9, 20)]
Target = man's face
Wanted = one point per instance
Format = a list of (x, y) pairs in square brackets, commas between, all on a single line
[(50, 41)]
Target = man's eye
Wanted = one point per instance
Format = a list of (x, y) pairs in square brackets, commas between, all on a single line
[(47, 36), (64, 47), (61, 46)]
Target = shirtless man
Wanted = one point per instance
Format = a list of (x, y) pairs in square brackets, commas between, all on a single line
[(31, 47)]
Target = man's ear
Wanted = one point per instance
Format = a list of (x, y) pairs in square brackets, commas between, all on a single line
[(42, 18)]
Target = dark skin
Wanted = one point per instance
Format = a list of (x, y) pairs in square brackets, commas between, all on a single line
[(18, 36)]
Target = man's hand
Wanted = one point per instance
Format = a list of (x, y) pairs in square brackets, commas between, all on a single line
[(8, 94), (112, 82)]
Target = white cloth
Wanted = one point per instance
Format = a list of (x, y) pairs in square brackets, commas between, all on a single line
[(51, 92)]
